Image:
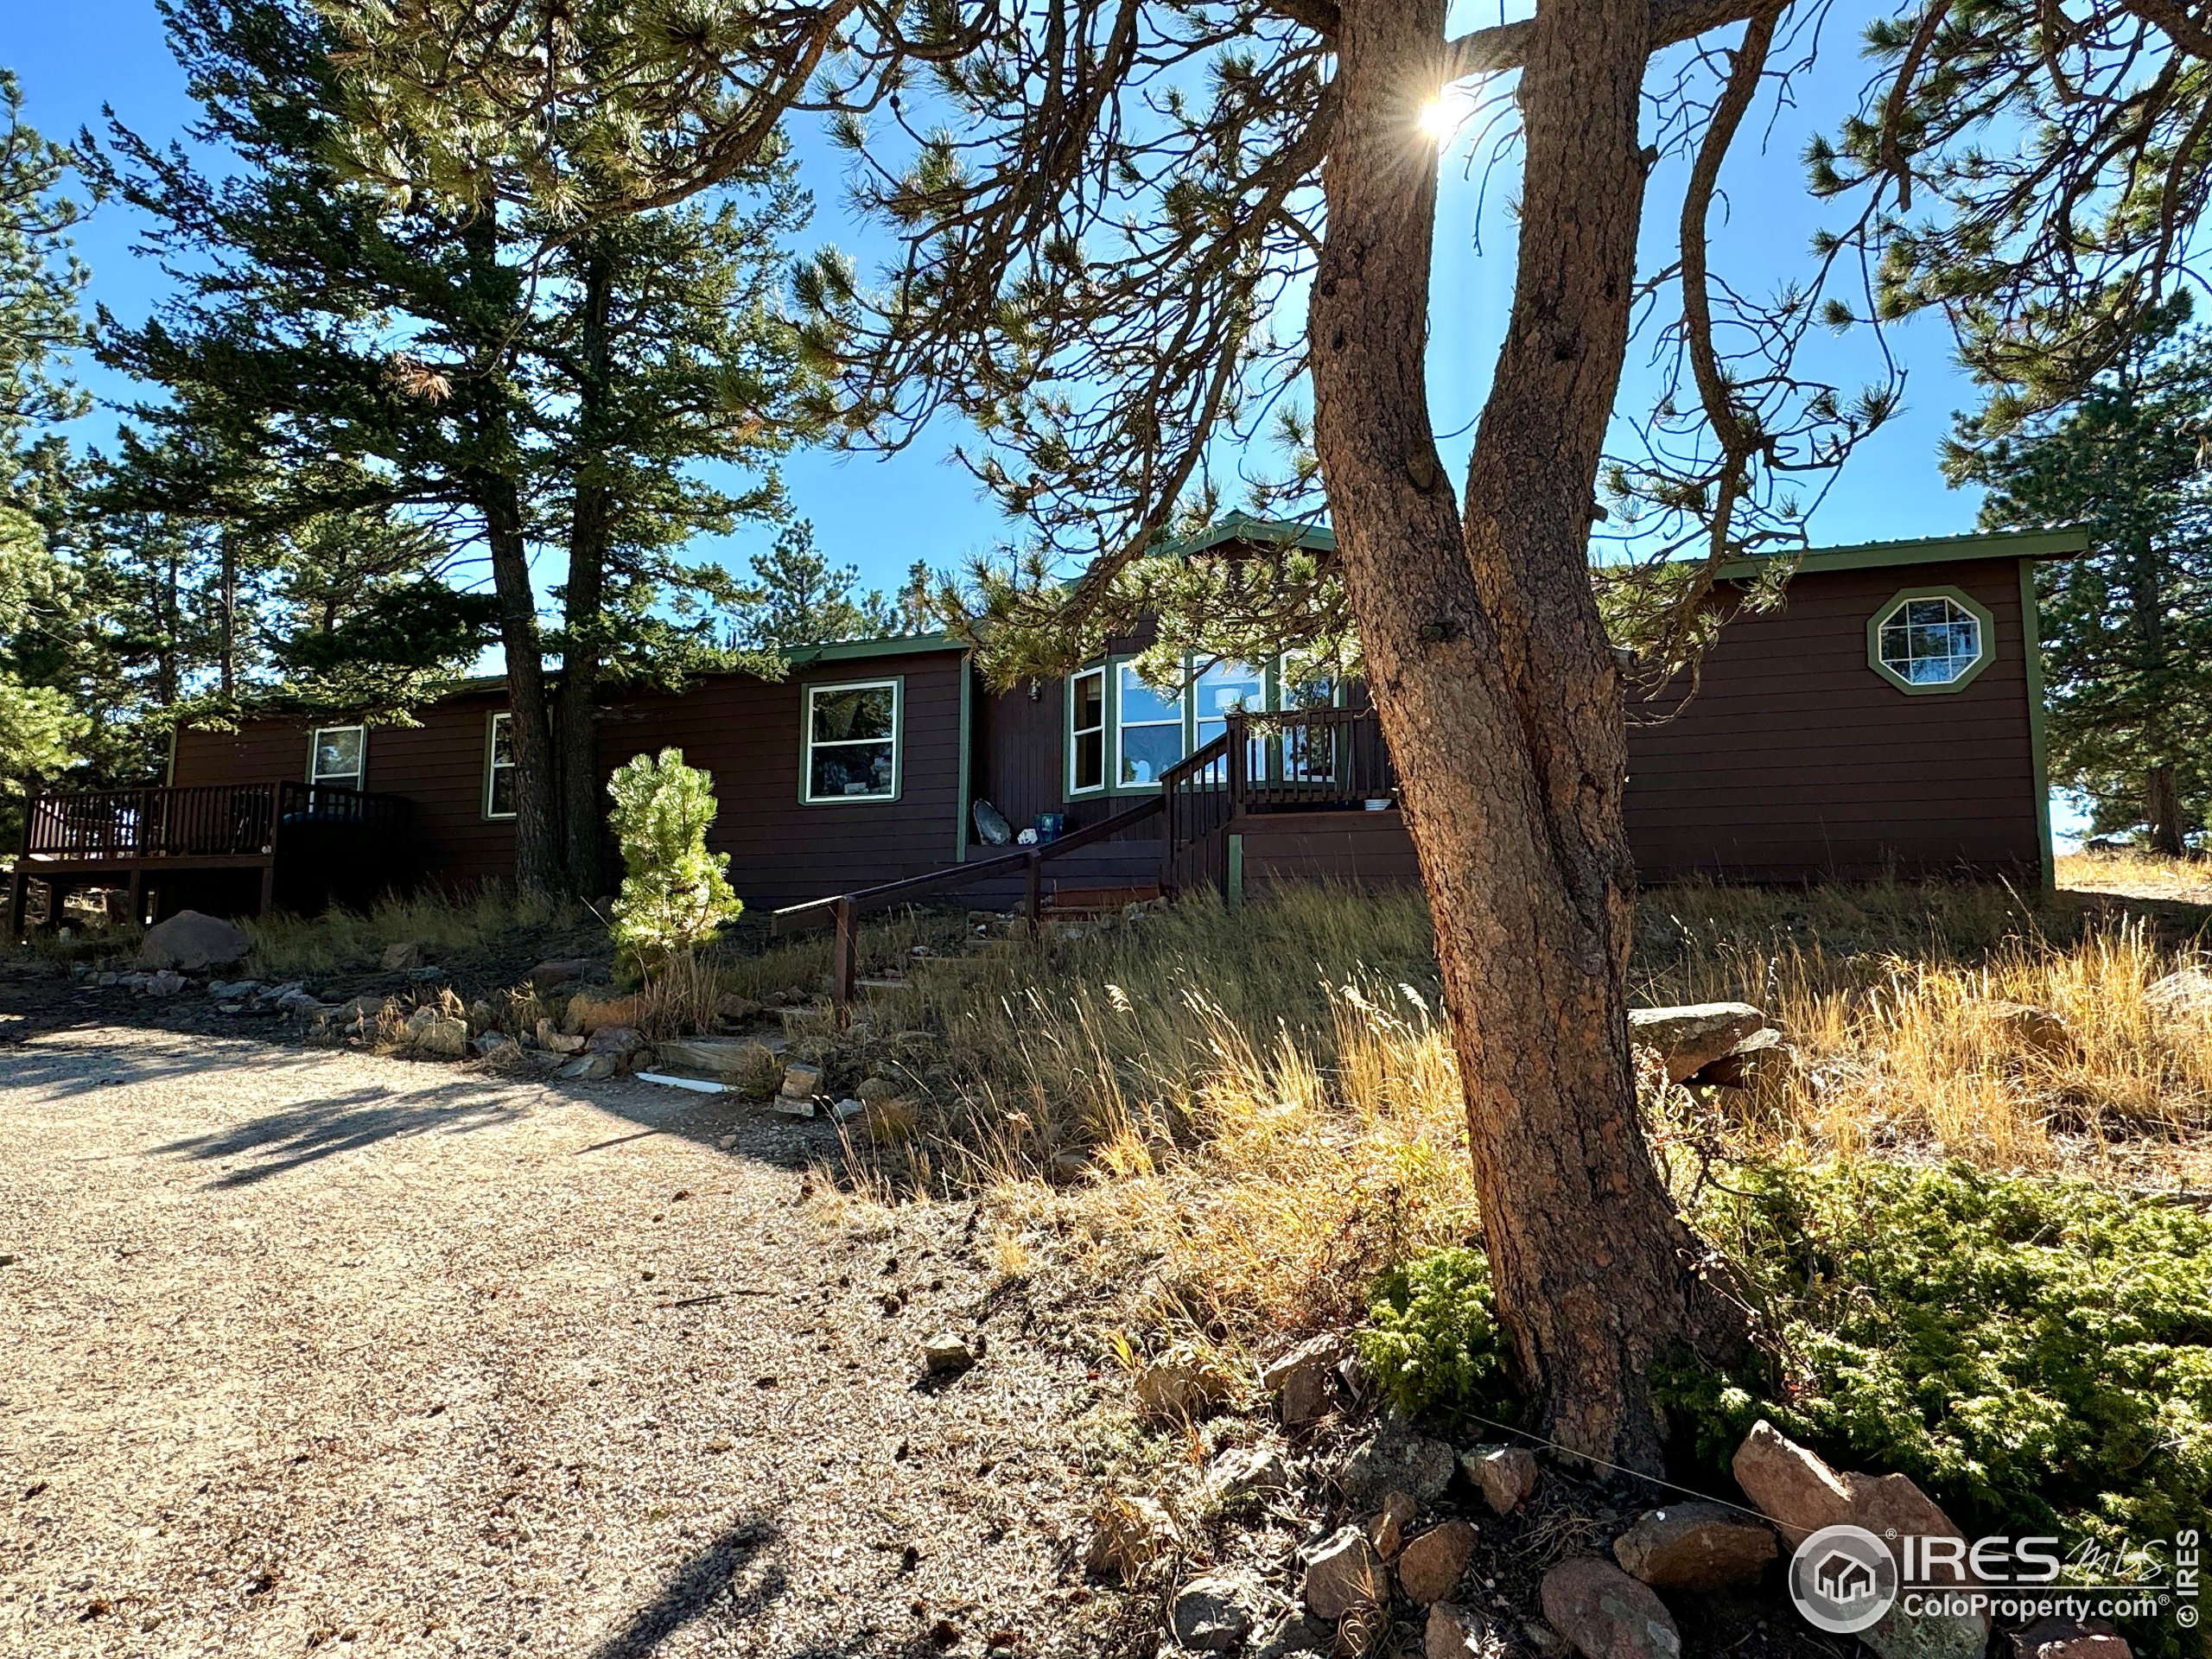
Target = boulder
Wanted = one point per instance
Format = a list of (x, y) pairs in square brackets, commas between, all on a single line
[(591, 1068), (496, 1046), (1131, 1534), (1607, 1614), (1343, 1572), (1690, 1038), (1214, 1614), (735, 1010), (1694, 1547), (2062, 1638), (2022, 1026), (874, 1089), (1245, 1471), (620, 1041), (1791, 1486), (588, 1013), (403, 954), (1457, 1632), (1393, 1460), (726, 1058), (193, 942), (433, 1032), (1176, 1387), (1430, 1565), (1305, 1379), (1761, 1060), (1505, 1474), (2182, 994), (550, 975)]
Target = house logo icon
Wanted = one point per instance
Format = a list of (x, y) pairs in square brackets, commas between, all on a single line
[(1843, 1580)]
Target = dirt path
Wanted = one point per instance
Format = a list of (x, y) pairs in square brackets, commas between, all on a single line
[(307, 1351)]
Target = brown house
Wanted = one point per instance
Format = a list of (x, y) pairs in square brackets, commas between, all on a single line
[(1887, 718)]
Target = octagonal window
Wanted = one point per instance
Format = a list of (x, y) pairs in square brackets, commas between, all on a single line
[(1930, 641)]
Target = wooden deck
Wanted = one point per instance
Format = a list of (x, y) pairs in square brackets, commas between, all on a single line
[(138, 841)]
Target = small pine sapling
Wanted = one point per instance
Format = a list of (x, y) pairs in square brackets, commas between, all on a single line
[(676, 895)]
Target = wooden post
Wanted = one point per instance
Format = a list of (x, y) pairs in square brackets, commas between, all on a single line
[(19, 888), (269, 870), (1033, 876), (844, 952), (138, 898)]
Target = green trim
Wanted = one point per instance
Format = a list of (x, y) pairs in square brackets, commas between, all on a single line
[(1965, 601), (2038, 735), (847, 650), (492, 719), (1270, 533), (1069, 792), (1236, 872), (1937, 549), (967, 778), (806, 690)]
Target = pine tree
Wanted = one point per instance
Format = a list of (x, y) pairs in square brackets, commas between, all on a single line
[(799, 598), (2127, 631), (333, 355)]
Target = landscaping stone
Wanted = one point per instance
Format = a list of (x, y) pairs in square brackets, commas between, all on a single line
[(228, 990), (1457, 1632), (1761, 1060), (1343, 1572), (1386, 1529), (737, 1010), (1505, 1474), (549, 976), (560, 1042), (620, 1041), (1695, 1547), (1177, 1388), (1393, 1460), (846, 1109), (802, 1082), (947, 1355), (1792, 1487), (1132, 1533), (1607, 1614), (167, 983), (873, 1090), (1429, 1566), (2062, 1638), (726, 1058), (1305, 1379), (1294, 1633), (406, 953), (1246, 1471), (433, 1032), (495, 1045), (1214, 1614), (591, 1068), (1692, 1037), (193, 942), (792, 1107)]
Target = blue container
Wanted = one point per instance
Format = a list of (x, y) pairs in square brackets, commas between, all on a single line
[(1051, 826)]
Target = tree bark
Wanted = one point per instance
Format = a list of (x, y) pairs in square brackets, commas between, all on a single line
[(1486, 630), (576, 714), (2162, 811), (489, 477)]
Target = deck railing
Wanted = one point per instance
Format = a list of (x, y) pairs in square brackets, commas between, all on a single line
[(241, 821)]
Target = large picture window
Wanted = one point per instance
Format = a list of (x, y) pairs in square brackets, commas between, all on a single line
[(339, 755), (499, 767), (1148, 730), (1087, 731), (852, 742), (1935, 639)]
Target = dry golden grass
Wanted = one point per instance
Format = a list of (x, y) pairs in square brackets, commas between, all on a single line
[(1270, 1103), (285, 945), (2137, 875)]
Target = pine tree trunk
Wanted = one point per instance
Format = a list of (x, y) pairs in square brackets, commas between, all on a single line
[(2162, 811), (1499, 694), (576, 716)]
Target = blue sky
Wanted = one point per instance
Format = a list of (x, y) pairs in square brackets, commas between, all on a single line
[(881, 515)]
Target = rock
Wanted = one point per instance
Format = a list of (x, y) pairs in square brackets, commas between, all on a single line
[(1386, 1528), (1068, 1167), (845, 1110), (1393, 1460), (588, 1013), (1132, 1533), (1761, 1060), (591, 1068), (406, 953), (305, 1005), (620, 1041), (1506, 1474), (1178, 1388), (1545, 1640), (1214, 1614), (560, 1042), (1457, 1632), (1243, 1472), (890, 1120), (737, 1010), (550, 975), (947, 1355), (167, 983), (1343, 1572), (1791, 1486), (1295, 1633), (802, 1082), (433, 1032), (2182, 994), (874, 1089), (1306, 1379), (1690, 1038), (1694, 1547), (370, 1009), (790, 1107), (2022, 1025), (426, 976), (496, 1046), (224, 990), (193, 942), (1429, 1567), (2062, 1638), (1607, 1614), (726, 1058)]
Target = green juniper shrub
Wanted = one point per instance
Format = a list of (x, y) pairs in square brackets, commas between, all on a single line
[(1432, 1340)]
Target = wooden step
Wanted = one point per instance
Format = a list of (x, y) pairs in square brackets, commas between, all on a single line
[(1098, 901)]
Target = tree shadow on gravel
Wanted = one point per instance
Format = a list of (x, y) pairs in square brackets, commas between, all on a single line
[(709, 1578), (287, 1139)]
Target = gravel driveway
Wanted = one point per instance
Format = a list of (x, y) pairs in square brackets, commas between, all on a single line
[(311, 1352)]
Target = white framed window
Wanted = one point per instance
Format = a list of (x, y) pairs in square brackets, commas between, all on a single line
[(339, 755), (1087, 731), (850, 739), (499, 767), (1930, 640), (1147, 729)]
